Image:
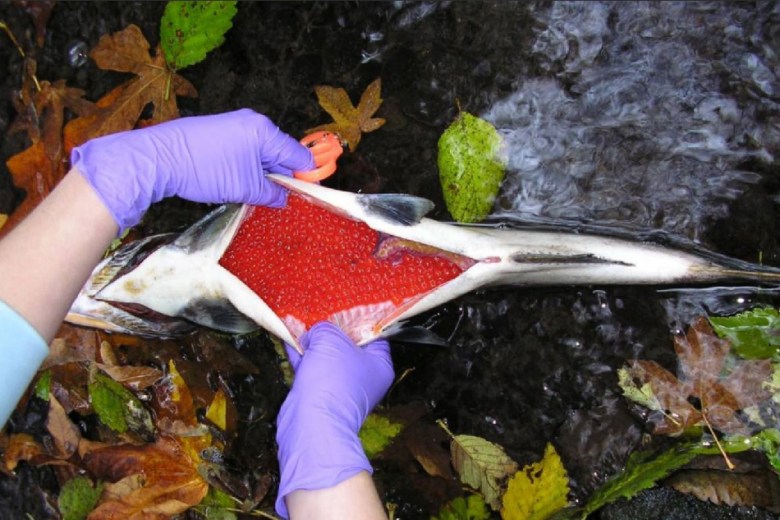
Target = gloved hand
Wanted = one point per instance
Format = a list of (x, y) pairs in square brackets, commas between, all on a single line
[(336, 385), (218, 158)]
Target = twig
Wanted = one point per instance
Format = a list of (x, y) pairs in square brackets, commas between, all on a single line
[(4, 26), (726, 458)]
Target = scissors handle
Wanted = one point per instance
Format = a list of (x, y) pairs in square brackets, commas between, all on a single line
[(326, 148)]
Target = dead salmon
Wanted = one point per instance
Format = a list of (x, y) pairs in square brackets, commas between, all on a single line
[(365, 262)]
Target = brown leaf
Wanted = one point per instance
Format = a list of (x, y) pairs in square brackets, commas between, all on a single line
[(350, 122), (35, 172), (21, 446), (170, 483), (155, 83), (424, 441), (721, 389), (672, 395), (758, 489), (135, 378), (65, 434)]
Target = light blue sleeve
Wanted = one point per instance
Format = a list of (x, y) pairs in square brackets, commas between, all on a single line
[(22, 350)]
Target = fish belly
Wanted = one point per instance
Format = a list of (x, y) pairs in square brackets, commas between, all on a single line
[(309, 264)]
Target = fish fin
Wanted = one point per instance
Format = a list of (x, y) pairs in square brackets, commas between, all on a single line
[(398, 208), (219, 314), (204, 232), (124, 260), (415, 334)]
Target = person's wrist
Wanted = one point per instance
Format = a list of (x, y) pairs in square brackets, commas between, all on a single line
[(317, 450)]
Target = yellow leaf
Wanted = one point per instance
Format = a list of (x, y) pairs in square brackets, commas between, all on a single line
[(217, 410), (350, 122), (538, 490), (3, 219), (482, 465), (177, 380)]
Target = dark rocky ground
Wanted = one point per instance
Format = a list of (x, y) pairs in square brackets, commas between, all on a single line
[(524, 367)]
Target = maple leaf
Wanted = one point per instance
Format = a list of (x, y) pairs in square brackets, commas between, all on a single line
[(128, 51), (710, 388), (350, 122)]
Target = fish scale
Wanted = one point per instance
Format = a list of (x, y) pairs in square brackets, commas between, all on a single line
[(309, 263)]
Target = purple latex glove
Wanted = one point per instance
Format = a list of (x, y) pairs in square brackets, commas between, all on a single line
[(218, 158), (336, 385)]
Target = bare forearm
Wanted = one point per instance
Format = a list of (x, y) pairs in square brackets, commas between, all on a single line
[(354, 498), (47, 258)]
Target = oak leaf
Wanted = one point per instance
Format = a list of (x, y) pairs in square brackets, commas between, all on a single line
[(350, 122), (719, 386)]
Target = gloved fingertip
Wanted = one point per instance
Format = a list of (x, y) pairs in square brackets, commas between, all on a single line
[(293, 355)]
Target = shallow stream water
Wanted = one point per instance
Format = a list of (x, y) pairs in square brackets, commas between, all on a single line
[(654, 119)]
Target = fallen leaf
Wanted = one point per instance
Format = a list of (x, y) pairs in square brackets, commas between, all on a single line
[(721, 387), (483, 465), (118, 408), (643, 470), (40, 167), (190, 30), (425, 443), (471, 168), (155, 83), (350, 122), (758, 489), (21, 446), (538, 490), (755, 334), (170, 484), (77, 498), (217, 410), (3, 220), (472, 507), (376, 433), (133, 377), (65, 434)]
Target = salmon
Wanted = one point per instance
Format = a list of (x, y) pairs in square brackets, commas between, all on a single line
[(365, 262)]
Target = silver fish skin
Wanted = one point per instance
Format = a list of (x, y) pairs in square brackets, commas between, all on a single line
[(183, 283)]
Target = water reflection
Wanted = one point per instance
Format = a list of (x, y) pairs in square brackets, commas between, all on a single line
[(646, 114)]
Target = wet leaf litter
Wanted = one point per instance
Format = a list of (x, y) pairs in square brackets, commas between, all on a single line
[(475, 309)]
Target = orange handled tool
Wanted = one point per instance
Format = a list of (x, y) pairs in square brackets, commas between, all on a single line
[(326, 148)]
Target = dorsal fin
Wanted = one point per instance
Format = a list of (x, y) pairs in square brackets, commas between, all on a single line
[(401, 209)]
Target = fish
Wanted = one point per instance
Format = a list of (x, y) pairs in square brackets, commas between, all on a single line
[(365, 262)]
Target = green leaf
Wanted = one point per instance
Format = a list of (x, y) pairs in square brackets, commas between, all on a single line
[(538, 490), (642, 471), (376, 433), (641, 395), (755, 334), (472, 507), (117, 407), (645, 468), (482, 465), (78, 498), (768, 442), (190, 30), (216, 504), (43, 385), (470, 167)]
